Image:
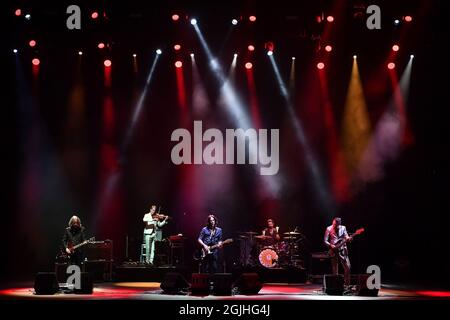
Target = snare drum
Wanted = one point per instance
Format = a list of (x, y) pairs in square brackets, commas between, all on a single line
[(268, 258)]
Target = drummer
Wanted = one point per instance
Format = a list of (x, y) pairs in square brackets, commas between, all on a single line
[(271, 232)]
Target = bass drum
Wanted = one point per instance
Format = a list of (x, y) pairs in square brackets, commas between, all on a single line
[(268, 258)]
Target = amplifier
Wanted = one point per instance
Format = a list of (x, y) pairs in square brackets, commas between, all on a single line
[(99, 250)]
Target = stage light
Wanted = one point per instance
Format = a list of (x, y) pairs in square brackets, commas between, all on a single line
[(175, 17), (252, 18), (320, 65), (15, 50), (395, 47), (158, 51), (293, 58), (251, 47), (107, 63), (391, 65), (80, 53), (270, 52), (134, 55), (330, 18), (94, 15), (355, 56), (178, 64), (328, 48), (35, 61), (411, 56), (101, 45), (192, 55), (193, 22), (248, 65), (177, 47), (234, 22), (28, 16), (408, 18), (18, 12), (235, 55), (396, 22), (32, 43)]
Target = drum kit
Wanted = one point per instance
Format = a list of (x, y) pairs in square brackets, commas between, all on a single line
[(262, 250)]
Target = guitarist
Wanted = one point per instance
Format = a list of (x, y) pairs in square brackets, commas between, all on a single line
[(74, 235), (333, 234), (209, 236)]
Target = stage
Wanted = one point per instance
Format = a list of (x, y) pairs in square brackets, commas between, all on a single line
[(269, 291)]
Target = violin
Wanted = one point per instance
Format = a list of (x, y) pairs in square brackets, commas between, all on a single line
[(161, 216)]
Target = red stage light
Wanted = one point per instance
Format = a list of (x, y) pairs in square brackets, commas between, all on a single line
[(32, 43), (248, 65), (18, 12), (101, 45), (94, 15), (252, 18), (177, 47), (107, 63), (395, 47), (328, 48), (251, 47), (408, 18), (330, 18), (35, 61), (391, 65), (178, 64), (175, 17), (320, 65)]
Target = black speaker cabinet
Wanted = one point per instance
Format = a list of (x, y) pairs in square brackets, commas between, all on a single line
[(174, 282), (200, 283), (333, 284), (362, 289), (46, 283), (248, 283), (87, 285), (222, 284)]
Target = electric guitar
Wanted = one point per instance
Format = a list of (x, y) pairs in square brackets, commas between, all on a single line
[(72, 248), (339, 246), (203, 253)]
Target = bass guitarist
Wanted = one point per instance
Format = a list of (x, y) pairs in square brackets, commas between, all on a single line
[(211, 235), (335, 239), (73, 236)]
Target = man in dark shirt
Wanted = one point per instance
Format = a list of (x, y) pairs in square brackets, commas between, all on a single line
[(209, 236), (271, 232), (74, 235), (333, 234)]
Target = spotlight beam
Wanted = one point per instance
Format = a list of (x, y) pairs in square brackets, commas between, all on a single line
[(138, 108), (318, 180), (235, 108)]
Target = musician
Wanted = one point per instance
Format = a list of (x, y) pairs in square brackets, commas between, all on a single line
[(210, 235), (333, 234), (74, 235), (272, 232), (152, 232)]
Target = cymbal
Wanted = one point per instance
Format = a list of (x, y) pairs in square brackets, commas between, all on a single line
[(289, 238), (249, 232), (261, 237), (292, 233)]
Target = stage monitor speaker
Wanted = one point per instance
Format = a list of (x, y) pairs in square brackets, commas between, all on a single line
[(46, 283), (222, 284), (174, 282), (333, 284), (362, 289), (200, 283), (87, 286), (248, 284)]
